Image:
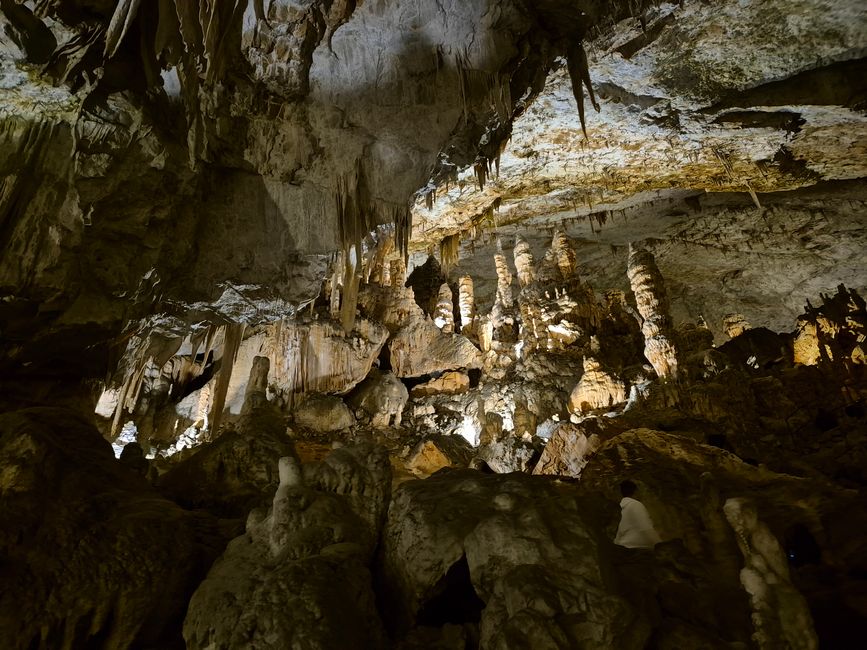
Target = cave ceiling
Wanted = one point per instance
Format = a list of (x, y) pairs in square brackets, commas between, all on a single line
[(205, 160)]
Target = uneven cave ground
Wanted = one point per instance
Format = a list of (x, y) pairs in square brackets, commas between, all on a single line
[(337, 324)]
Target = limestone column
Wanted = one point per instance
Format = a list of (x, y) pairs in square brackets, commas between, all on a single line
[(524, 262), (444, 315), (467, 304), (649, 289), (564, 254), (504, 278)]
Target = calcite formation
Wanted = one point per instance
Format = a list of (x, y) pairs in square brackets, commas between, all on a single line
[(444, 316), (310, 550), (652, 304), (780, 614), (367, 288), (597, 389), (467, 303)]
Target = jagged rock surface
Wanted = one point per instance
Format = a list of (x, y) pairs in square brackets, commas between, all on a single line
[(547, 589), (93, 554), (299, 575)]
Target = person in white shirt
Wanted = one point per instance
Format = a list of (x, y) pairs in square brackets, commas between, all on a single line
[(636, 527)]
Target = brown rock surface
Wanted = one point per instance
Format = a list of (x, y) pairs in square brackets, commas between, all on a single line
[(93, 555)]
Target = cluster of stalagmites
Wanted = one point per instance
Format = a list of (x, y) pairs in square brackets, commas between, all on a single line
[(552, 381)]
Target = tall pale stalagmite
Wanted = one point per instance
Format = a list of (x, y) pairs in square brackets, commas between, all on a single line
[(444, 315), (524, 262), (256, 393), (467, 304), (504, 278), (652, 302), (564, 254)]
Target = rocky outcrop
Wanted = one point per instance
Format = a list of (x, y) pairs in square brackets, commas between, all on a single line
[(421, 348), (473, 565), (569, 449), (94, 556), (834, 332), (299, 574), (449, 383)]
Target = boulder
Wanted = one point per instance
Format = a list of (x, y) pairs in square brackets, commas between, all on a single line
[(436, 452), (382, 397), (324, 413)]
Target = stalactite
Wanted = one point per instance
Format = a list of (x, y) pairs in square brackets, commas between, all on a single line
[(334, 298), (450, 252), (467, 305), (124, 14), (649, 289), (232, 337), (444, 316), (524, 262), (579, 73)]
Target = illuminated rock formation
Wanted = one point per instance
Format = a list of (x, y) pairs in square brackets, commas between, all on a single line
[(650, 297), (524, 262), (444, 317), (310, 553), (597, 389), (467, 304), (382, 397)]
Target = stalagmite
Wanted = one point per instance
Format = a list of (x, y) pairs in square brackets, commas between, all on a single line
[(650, 297), (398, 272), (564, 254), (781, 618), (257, 385), (524, 262), (467, 304), (504, 278), (444, 316)]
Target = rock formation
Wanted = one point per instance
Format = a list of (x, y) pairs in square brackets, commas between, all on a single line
[(467, 302), (780, 614), (381, 397), (444, 317), (266, 252), (596, 389), (309, 553), (650, 297)]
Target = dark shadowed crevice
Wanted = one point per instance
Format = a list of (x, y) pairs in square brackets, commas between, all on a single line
[(453, 600)]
